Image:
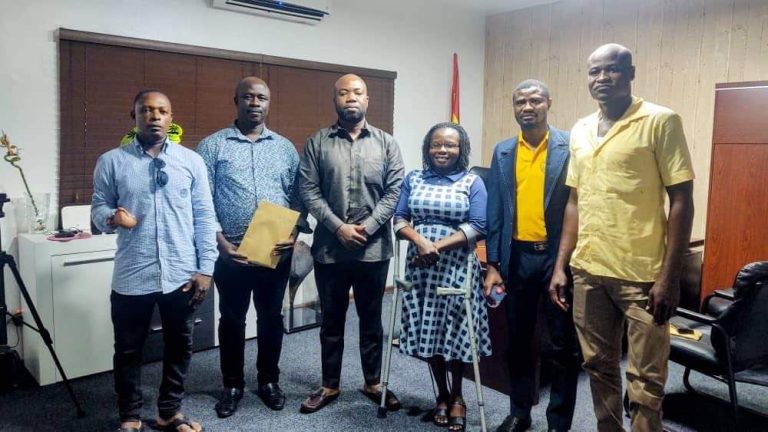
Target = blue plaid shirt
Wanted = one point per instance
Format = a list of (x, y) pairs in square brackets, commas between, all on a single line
[(243, 172), (176, 232)]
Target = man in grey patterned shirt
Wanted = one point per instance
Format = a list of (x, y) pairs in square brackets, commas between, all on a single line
[(248, 163), (350, 177)]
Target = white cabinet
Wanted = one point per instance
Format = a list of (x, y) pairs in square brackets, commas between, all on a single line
[(81, 306), (70, 284)]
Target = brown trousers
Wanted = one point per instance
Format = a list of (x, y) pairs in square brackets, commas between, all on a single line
[(600, 307)]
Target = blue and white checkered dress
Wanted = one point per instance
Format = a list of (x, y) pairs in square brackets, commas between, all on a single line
[(435, 325)]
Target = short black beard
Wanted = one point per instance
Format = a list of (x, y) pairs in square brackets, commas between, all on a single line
[(350, 118)]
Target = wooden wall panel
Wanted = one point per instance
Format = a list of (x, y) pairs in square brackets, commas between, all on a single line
[(682, 48), (494, 68), (570, 78), (757, 43)]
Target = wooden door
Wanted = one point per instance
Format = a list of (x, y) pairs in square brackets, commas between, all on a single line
[(737, 211)]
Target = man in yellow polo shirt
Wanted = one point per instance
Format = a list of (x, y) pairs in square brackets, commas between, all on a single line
[(625, 253), (526, 200)]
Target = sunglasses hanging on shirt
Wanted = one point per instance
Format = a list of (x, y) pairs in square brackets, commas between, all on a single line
[(161, 177)]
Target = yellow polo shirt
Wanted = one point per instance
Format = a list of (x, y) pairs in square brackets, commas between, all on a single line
[(621, 182), (530, 168)]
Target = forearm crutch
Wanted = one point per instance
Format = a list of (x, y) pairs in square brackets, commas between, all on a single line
[(467, 293), (399, 285)]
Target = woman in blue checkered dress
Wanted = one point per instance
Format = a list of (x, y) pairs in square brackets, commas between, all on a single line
[(441, 212)]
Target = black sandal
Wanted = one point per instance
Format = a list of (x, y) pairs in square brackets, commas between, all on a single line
[(460, 421), (440, 413)]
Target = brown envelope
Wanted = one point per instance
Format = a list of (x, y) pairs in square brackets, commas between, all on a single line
[(691, 334), (270, 224)]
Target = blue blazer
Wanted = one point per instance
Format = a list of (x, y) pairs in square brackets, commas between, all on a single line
[(502, 197)]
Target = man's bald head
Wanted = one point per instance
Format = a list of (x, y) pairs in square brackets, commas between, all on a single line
[(610, 73), (252, 101), (347, 80), (350, 95), (622, 54), (248, 82)]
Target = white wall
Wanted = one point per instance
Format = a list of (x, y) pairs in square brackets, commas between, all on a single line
[(414, 38)]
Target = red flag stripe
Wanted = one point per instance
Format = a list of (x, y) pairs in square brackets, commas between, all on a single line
[(455, 117)]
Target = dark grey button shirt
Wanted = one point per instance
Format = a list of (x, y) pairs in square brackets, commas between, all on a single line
[(351, 181)]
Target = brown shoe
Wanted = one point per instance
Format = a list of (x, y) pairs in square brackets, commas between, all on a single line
[(317, 401), (390, 401)]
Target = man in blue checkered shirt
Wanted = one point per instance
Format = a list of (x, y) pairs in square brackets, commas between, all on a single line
[(248, 163)]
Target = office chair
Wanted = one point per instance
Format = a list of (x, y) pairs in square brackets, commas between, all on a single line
[(733, 347), (481, 172)]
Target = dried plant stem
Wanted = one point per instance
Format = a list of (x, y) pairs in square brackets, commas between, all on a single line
[(26, 186), (12, 157)]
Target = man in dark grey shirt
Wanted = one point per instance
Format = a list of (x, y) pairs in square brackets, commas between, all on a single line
[(349, 180)]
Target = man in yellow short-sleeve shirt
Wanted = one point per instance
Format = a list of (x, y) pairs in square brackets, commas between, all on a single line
[(624, 251)]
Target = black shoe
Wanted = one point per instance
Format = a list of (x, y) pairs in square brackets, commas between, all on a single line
[(272, 396), (515, 424), (227, 404)]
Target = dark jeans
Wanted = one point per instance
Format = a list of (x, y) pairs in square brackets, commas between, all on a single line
[(236, 285), (531, 272), (367, 280), (131, 316)]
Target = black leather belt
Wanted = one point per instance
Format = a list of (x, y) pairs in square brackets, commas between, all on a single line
[(531, 246)]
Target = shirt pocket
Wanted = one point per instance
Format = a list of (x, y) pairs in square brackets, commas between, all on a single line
[(627, 170), (179, 189), (233, 169), (183, 193), (373, 171)]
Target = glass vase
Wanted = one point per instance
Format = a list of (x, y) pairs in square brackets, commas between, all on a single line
[(38, 206)]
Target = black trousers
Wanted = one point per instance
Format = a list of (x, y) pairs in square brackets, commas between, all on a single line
[(368, 280), (530, 273), (236, 286), (131, 317)]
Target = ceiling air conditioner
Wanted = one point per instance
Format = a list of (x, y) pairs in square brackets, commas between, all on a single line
[(303, 11)]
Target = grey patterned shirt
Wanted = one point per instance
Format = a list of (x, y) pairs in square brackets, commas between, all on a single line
[(351, 181), (243, 172)]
